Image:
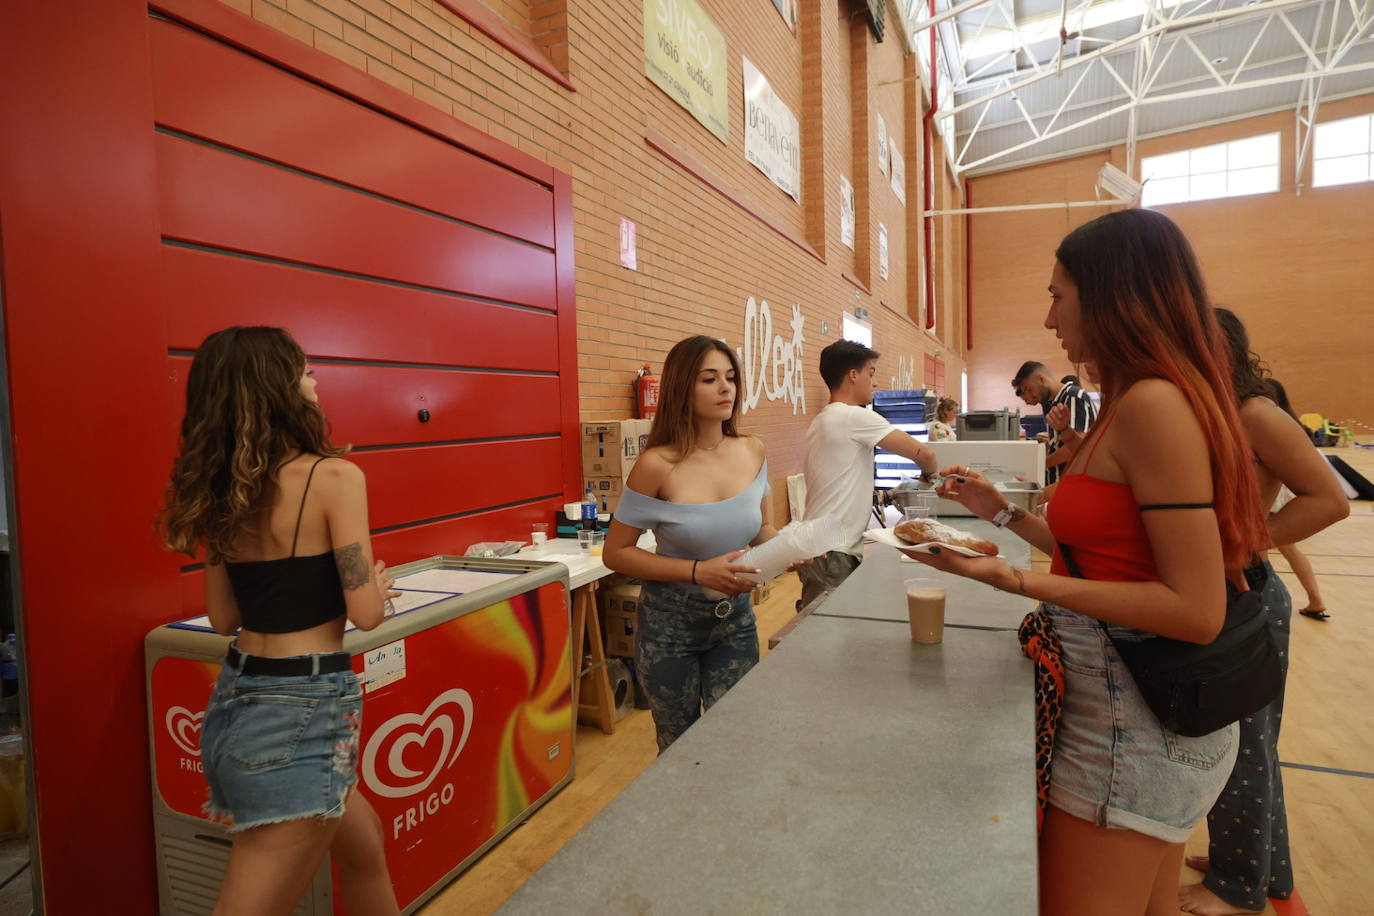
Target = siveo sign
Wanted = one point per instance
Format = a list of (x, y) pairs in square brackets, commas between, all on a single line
[(684, 54)]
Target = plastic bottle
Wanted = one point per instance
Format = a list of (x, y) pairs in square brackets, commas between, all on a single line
[(797, 541), (590, 508)]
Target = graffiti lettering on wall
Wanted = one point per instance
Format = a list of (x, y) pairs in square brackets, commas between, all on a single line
[(905, 379), (772, 365)]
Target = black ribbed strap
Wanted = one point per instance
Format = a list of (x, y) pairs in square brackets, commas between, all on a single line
[(1069, 561), (1176, 506)]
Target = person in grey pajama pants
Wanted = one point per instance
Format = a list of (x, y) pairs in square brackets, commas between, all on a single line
[(1248, 857), (1247, 827)]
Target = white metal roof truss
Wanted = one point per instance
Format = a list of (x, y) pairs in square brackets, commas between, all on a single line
[(1071, 76)]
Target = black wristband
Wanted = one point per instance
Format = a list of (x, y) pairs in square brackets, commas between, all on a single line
[(694, 571)]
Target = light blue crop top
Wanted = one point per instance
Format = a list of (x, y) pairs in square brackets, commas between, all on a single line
[(698, 531)]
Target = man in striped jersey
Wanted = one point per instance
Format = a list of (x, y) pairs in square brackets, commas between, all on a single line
[(1069, 412)]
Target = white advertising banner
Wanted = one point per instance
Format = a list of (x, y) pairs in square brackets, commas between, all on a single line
[(898, 172), (772, 140), (882, 145), (846, 213)]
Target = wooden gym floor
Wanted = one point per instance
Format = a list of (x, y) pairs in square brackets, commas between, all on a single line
[(1327, 744)]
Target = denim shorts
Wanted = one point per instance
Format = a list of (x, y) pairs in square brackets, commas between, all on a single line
[(280, 748), (1114, 764)]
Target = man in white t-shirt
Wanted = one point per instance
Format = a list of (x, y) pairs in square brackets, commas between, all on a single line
[(839, 460)]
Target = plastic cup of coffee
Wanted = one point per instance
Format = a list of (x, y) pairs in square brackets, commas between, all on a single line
[(584, 541), (925, 608)]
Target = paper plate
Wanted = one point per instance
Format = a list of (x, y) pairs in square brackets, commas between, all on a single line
[(885, 536)]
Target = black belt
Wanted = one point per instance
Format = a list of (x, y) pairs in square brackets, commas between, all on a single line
[(291, 666)]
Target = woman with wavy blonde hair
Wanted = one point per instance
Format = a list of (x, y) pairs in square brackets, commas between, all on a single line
[(281, 519)]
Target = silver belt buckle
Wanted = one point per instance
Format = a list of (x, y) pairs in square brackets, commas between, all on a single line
[(723, 608)]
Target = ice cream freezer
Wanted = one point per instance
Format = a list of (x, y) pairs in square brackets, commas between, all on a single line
[(467, 726)]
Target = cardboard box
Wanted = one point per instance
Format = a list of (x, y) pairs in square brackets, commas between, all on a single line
[(621, 599), (607, 491), (610, 447), (621, 627)]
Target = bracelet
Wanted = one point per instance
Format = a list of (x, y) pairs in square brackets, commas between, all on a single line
[(694, 571)]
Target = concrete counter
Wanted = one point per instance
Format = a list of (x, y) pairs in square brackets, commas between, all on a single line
[(851, 771), (878, 594)]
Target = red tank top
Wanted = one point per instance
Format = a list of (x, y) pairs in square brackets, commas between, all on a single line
[(1100, 522)]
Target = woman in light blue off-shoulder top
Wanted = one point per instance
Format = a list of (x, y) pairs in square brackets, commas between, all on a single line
[(700, 487)]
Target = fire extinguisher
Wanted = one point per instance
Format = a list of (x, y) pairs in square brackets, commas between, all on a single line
[(646, 393)]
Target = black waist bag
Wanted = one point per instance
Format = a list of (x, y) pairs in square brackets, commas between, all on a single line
[(1196, 689)]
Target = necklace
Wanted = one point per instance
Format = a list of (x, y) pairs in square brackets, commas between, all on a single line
[(712, 448)]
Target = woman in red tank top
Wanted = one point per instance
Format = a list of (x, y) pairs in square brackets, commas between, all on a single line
[(1127, 296)]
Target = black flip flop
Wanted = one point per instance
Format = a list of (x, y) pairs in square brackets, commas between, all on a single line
[(1319, 614)]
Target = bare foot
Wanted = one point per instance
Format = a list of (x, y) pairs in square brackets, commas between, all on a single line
[(1197, 863), (1197, 899)]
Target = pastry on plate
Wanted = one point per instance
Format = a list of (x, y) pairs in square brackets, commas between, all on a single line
[(928, 530)]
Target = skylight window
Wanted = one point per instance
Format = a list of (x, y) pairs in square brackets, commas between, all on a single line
[(997, 38), (1235, 169), (1343, 152)]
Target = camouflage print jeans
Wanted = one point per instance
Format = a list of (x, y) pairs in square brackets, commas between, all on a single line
[(689, 651)]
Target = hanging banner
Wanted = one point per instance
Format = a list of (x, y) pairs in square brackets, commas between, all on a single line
[(882, 145), (772, 140), (882, 251), (787, 9), (898, 171), (684, 54), (846, 213)]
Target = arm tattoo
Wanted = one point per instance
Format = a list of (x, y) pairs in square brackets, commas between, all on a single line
[(1020, 580), (353, 569), (1017, 515)]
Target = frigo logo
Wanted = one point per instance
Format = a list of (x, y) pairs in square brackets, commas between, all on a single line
[(431, 735), (184, 727)]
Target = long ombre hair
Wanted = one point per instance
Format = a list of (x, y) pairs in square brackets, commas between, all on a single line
[(674, 424), (1145, 314), (245, 415)]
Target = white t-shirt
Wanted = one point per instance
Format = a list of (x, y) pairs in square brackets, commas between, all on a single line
[(839, 467)]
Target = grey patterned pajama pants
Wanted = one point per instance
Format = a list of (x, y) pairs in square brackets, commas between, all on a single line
[(1247, 827), (826, 571), (689, 651)]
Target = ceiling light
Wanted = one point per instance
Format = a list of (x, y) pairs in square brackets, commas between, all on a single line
[(1218, 61), (1118, 184)]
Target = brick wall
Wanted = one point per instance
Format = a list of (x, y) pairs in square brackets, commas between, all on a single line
[(701, 256), (1297, 269)]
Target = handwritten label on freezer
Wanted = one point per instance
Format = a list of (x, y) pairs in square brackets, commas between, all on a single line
[(384, 665)]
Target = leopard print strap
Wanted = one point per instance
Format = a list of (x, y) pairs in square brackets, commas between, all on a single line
[(1041, 645)]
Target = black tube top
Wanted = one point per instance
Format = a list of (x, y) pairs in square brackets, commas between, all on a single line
[(287, 595)]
